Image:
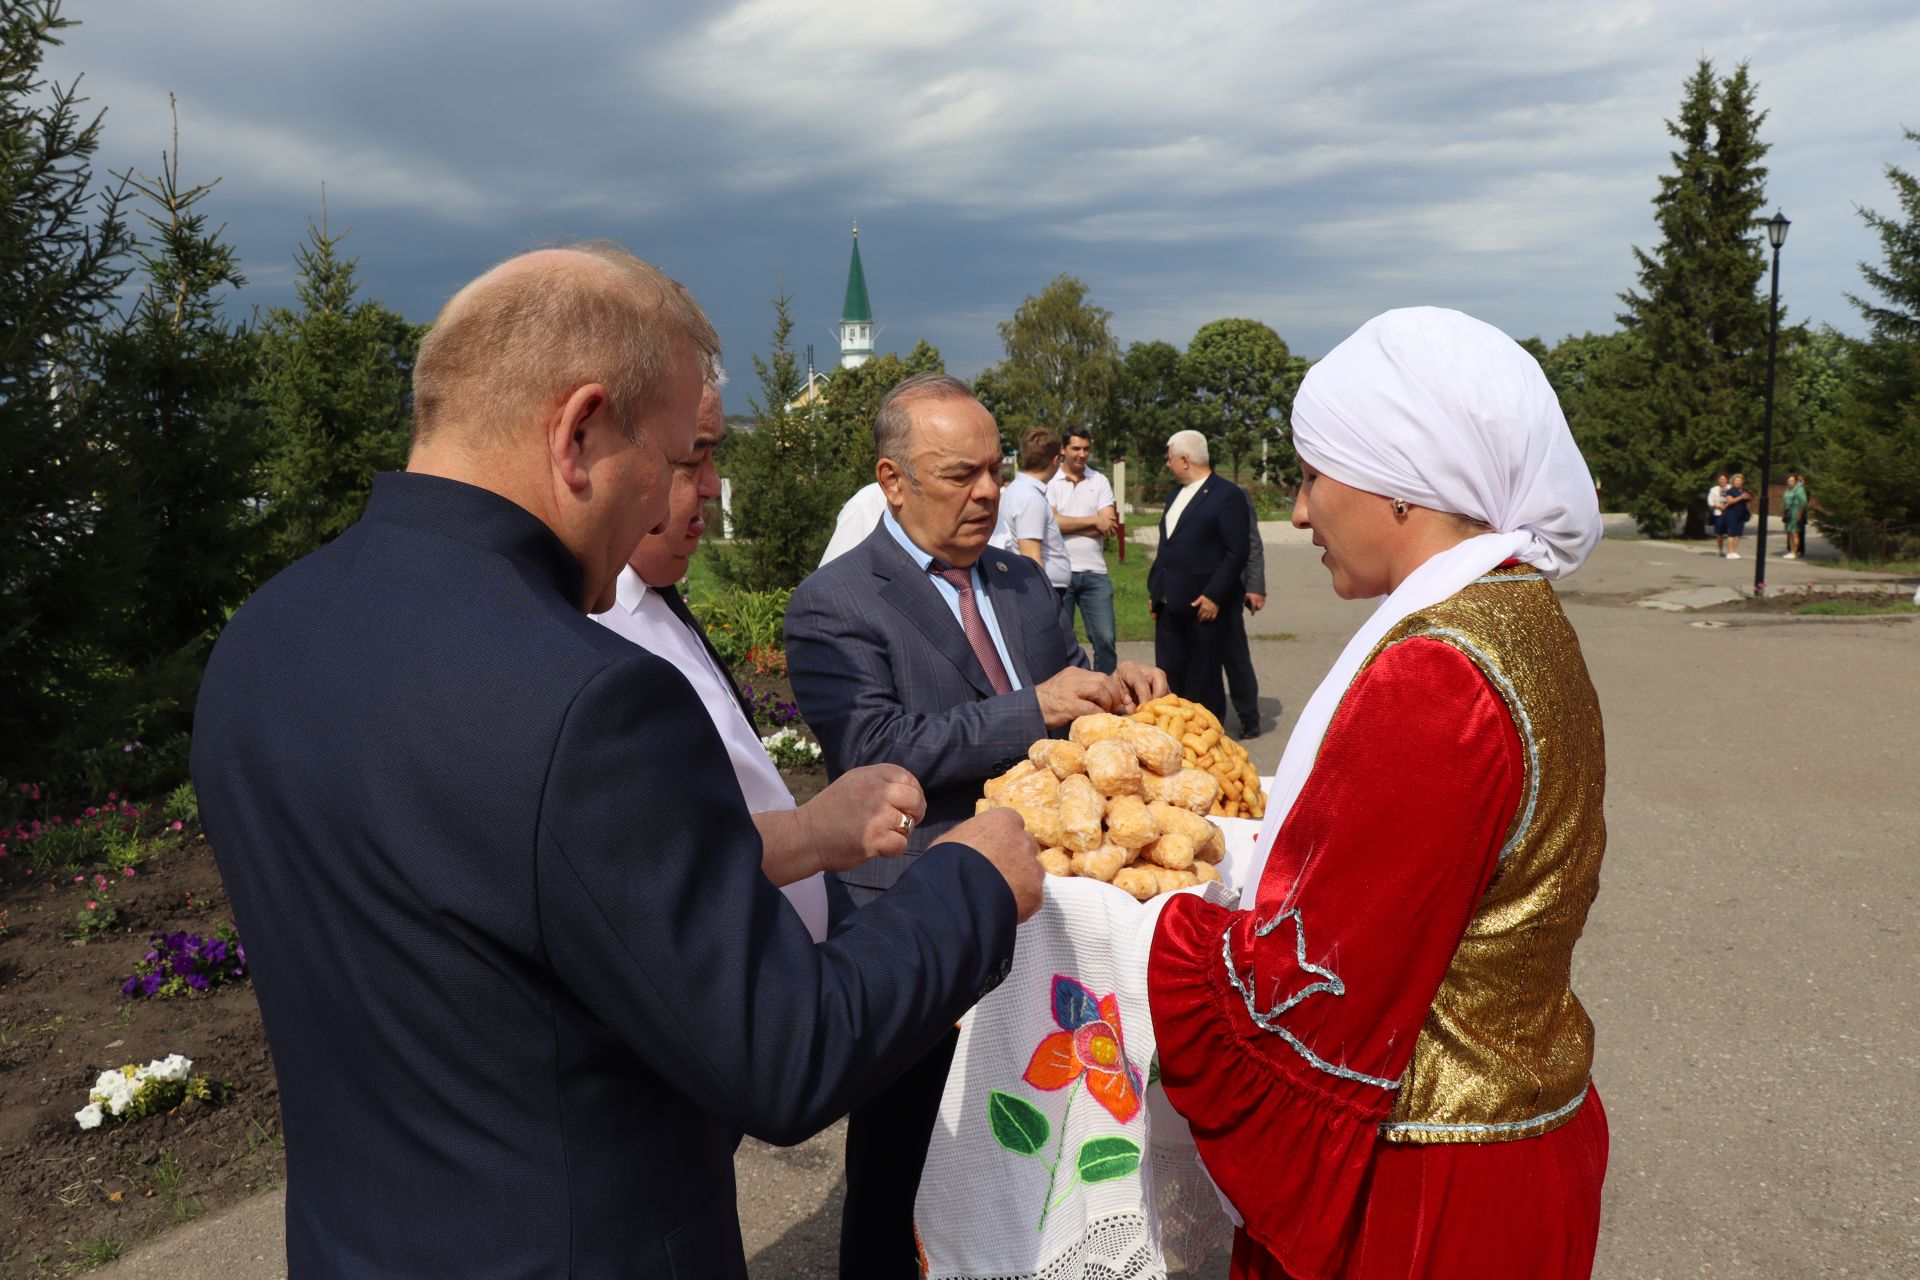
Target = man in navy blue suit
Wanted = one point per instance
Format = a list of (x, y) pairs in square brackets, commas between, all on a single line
[(524, 980), (926, 648), (1196, 577)]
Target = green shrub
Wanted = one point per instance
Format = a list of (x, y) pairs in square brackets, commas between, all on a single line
[(748, 628)]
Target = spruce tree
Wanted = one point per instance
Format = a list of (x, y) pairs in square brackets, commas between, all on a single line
[(781, 515), (1697, 311), (1867, 485), (61, 262), (170, 398), (334, 384)]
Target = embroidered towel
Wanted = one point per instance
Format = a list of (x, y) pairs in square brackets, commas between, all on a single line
[(1053, 1155)]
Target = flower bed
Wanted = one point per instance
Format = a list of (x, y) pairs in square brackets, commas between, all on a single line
[(74, 1195)]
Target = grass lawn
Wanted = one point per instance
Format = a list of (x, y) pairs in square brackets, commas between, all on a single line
[(1855, 608)]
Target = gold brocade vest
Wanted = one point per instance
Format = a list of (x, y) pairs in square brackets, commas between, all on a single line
[(1506, 1051)]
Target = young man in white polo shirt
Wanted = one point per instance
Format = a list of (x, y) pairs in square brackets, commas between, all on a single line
[(1082, 502), (1030, 529)]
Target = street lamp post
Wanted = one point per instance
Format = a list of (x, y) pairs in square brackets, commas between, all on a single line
[(1776, 236)]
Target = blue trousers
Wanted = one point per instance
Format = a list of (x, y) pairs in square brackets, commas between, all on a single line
[(1093, 592)]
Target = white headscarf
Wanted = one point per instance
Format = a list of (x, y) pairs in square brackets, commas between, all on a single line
[(1449, 413)]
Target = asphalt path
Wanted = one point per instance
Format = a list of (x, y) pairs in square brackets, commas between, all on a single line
[(1751, 964)]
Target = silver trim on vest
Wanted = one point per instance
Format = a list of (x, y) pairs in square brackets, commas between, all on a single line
[(1522, 721), (1509, 1126)]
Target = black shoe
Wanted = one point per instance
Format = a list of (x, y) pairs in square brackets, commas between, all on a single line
[(1249, 731)]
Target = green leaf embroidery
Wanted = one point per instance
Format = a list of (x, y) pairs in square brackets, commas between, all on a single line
[(1104, 1159), (1018, 1125)]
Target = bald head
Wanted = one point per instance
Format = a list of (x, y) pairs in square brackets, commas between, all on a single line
[(510, 347)]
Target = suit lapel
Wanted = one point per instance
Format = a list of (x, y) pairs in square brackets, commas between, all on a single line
[(912, 594), (1007, 612)]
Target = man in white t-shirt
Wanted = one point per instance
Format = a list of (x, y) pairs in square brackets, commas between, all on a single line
[(1031, 530), (1082, 502), (859, 815)]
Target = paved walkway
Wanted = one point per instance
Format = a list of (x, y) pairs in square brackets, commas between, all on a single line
[(1751, 964)]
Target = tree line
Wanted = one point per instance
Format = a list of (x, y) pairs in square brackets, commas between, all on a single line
[(158, 458), (1658, 405)]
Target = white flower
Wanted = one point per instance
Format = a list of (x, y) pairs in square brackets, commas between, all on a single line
[(170, 1068), (89, 1116)]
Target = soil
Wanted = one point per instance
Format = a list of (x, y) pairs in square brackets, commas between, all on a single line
[(72, 1197)]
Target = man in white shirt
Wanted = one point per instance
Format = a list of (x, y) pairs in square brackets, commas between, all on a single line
[(1031, 529), (1196, 574), (860, 513), (865, 813), (1082, 503)]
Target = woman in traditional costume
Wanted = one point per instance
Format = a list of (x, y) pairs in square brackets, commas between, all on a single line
[(1382, 1060)]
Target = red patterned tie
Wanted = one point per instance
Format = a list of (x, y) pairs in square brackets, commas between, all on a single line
[(974, 625)]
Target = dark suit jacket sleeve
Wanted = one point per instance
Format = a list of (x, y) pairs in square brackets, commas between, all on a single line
[(838, 661), (1256, 573), (654, 914), (1230, 516)]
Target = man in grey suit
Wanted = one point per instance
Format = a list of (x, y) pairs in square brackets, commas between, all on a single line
[(926, 648), (1243, 686)]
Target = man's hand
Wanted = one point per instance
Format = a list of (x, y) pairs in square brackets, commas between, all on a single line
[(1205, 608), (858, 816), (1141, 684), (1255, 602), (1107, 522), (1076, 692), (1001, 838)]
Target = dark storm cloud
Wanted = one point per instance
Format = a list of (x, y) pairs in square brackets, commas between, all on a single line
[(1306, 164)]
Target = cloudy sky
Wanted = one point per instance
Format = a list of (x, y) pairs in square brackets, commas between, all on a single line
[(1304, 162)]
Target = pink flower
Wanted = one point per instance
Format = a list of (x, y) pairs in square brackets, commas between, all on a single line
[(113, 795), (128, 872), (177, 825), (79, 879), (92, 905), (99, 882)]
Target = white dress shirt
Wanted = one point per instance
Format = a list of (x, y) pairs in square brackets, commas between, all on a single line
[(644, 618), (1180, 501)]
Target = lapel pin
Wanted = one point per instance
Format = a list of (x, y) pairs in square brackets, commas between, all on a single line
[(1001, 565)]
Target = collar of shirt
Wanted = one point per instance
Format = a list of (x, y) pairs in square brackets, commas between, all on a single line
[(629, 590), (983, 599), (922, 560)]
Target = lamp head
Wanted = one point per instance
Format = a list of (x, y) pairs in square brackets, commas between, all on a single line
[(1777, 229)]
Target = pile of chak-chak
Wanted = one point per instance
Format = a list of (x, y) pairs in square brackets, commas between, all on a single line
[(1117, 802)]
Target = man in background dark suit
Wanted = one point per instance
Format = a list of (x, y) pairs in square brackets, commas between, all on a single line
[(1196, 573), (1243, 685), (926, 648), (524, 981)]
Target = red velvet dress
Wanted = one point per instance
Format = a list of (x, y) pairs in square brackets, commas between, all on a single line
[(1385, 857)]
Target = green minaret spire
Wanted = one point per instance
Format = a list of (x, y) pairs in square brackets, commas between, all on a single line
[(856, 313)]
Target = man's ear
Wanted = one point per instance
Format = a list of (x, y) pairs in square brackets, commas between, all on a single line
[(568, 441), (893, 481)]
